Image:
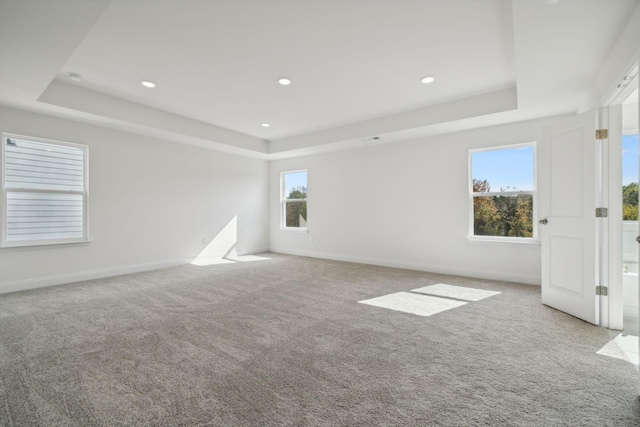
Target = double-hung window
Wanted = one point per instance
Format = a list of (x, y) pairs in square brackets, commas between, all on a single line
[(44, 191), (502, 193), (293, 191)]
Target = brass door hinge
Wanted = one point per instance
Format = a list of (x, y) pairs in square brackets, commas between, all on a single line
[(602, 133), (602, 290)]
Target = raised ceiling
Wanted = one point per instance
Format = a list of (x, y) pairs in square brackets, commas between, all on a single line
[(355, 65)]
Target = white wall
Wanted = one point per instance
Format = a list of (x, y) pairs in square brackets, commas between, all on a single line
[(403, 205), (151, 204), (622, 56)]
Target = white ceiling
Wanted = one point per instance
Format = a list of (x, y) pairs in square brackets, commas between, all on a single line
[(355, 65)]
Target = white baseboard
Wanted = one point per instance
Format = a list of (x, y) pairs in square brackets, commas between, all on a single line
[(41, 282), (456, 271), (252, 251)]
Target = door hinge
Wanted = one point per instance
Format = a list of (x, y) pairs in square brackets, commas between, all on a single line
[(602, 133), (602, 290), (602, 212)]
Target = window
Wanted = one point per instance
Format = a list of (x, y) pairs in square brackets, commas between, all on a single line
[(294, 199), (44, 191), (502, 191)]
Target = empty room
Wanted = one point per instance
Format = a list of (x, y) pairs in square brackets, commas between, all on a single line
[(319, 213)]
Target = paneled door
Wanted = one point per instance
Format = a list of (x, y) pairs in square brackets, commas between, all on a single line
[(567, 224)]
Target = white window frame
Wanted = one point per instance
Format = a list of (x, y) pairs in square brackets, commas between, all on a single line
[(284, 201), (534, 193), (3, 203)]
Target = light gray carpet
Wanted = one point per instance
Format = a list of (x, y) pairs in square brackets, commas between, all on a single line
[(284, 342)]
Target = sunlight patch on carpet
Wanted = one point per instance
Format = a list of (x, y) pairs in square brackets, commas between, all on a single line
[(458, 292), (422, 305), (623, 346), (611, 349)]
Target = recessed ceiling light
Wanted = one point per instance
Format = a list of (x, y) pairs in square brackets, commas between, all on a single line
[(147, 83), (428, 79), (265, 125), (75, 77), (284, 81)]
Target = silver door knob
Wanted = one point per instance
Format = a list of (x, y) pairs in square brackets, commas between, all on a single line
[(638, 239), (543, 221)]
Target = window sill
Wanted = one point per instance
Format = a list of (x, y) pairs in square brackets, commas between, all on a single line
[(295, 230), (505, 241), (43, 245)]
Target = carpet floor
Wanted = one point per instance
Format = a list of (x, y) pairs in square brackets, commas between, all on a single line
[(284, 341)]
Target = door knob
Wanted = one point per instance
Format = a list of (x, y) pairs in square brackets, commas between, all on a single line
[(638, 239), (543, 221)]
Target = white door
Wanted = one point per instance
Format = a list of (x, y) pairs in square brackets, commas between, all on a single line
[(567, 203)]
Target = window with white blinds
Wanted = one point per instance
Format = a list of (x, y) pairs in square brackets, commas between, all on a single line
[(45, 191)]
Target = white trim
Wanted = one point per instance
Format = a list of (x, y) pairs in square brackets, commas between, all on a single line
[(534, 195), (301, 230), (503, 147), (614, 310), (432, 268), (294, 229), (505, 240), (42, 243), (62, 279), (3, 192), (284, 200), (252, 251), (41, 282), (623, 88), (602, 224), (4, 243), (503, 193)]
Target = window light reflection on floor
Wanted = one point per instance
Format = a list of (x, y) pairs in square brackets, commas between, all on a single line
[(429, 300), (623, 347), (457, 292), (422, 305)]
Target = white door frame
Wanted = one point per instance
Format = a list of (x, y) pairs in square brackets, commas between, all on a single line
[(612, 317), (612, 312)]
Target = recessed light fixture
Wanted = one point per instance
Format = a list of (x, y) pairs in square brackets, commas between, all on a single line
[(75, 77), (284, 81), (147, 83), (265, 125), (428, 79)]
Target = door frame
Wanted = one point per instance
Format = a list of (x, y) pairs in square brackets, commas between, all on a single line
[(613, 314), (613, 311)]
